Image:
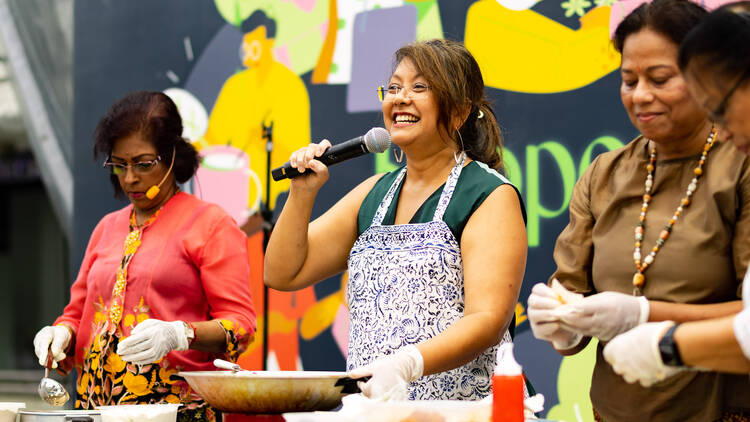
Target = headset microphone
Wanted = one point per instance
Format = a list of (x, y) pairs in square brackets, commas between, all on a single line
[(154, 190)]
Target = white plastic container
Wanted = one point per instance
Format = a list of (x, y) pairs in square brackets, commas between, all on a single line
[(8, 411), (140, 412)]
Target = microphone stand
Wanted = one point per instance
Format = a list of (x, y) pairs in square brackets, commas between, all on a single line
[(267, 214)]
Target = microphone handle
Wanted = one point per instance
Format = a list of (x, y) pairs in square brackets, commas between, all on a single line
[(335, 154)]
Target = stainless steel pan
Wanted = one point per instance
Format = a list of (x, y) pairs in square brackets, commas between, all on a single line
[(271, 392)]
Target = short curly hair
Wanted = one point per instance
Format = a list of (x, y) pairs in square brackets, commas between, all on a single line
[(153, 116)]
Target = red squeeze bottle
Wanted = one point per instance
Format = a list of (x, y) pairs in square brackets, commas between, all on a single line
[(507, 387)]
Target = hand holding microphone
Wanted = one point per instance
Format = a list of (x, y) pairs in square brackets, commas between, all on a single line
[(376, 139), (305, 159)]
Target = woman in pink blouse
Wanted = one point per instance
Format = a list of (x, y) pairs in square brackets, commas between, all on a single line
[(164, 284)]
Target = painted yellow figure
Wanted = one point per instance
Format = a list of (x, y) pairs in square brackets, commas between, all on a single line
[(265, 93)]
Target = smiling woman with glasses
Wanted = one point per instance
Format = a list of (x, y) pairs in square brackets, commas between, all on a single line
[(164, 285), (435, 251)]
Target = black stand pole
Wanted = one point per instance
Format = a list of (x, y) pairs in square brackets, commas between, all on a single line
[(267, 214)]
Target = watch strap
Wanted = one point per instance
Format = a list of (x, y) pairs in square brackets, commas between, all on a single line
[(670, 353)]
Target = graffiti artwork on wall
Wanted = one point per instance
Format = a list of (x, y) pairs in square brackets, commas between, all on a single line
[(286, 73)]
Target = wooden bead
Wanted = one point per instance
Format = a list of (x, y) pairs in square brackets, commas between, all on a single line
[(698, 171), (638, 279)]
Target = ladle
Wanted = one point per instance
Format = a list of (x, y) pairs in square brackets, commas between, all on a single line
[(50, 390)]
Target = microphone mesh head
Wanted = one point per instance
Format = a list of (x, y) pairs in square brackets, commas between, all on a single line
[(377, 139)]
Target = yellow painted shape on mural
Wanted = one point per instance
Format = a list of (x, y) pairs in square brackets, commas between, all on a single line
[(573, 385), (298, 32), (520, 316), (320, 316), (255, 97), (278, 323), (323, 66), (524, 51)]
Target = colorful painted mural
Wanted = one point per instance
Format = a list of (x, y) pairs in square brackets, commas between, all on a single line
[(254, 75)]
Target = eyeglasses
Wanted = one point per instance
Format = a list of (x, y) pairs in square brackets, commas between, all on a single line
[(141, 167), (717, 114), (416, 92)]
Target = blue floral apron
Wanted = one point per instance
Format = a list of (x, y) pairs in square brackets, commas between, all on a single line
[(406, 286)]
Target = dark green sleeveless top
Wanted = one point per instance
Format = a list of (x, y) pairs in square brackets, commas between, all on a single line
[(476, 182)]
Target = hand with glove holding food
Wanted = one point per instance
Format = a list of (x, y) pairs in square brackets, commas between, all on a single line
[(604, 315), (542, 305)]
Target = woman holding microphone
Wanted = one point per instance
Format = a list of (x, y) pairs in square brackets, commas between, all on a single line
[(435, 250)]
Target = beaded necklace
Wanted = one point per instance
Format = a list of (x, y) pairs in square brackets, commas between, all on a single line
[(639, 279), (132, 242)]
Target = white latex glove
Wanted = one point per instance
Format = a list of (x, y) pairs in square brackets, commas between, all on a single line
[(542, 303), (604, 315), (151, 340), (391, 374), (635, 354), (53, 339)]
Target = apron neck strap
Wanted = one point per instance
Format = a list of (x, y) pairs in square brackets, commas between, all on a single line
[(445, 196)]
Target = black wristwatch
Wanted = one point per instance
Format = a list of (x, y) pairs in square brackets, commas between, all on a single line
[(670, 354)]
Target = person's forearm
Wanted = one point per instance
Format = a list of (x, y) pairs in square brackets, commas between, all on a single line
[(287, 247), (684, 312), (711, 344), (209, 337), (462, 342)]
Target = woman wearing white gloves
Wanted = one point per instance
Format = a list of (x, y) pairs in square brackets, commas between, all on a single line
[(715, 58), (658, 231), (164, 284), (430, 292)]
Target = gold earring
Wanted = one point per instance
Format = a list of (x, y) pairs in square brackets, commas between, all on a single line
[(399, 157)]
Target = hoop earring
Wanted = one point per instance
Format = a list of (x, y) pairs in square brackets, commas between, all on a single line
[(399, 158), (455, 153)]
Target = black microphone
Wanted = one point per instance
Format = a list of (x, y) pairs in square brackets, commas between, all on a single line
[(376, 139)]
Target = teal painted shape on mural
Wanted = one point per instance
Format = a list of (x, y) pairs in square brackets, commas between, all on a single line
[(573, 385)]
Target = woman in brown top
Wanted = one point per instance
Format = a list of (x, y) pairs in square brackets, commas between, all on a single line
[(715, 59), (658, 231)]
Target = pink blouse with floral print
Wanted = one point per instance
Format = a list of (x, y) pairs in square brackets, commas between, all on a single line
[(192, 265)]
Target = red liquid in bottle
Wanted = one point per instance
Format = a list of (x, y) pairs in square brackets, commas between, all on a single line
[(507, 398)]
